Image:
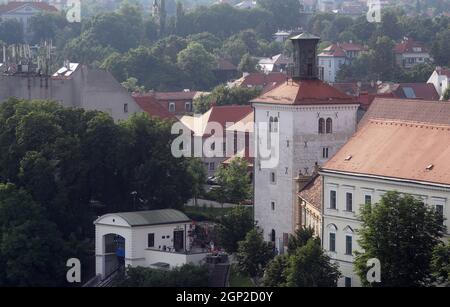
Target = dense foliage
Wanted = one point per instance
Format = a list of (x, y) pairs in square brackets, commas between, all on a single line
[(233, 227), (66, 166), (402, 232)]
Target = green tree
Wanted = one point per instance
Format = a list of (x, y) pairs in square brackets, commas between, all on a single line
[(32, 252), (11, 31), (309, 266), (440, 48), (197, 64), (233, 228), (46, 26), (447, 94), (383, 58), (185, 276), (223, 95), (286, 12), (132, 85), (300, 238), (198, 174), (234, 181), (440, 264), (247, 64), (400, 231), (254, 254), (275, 273)]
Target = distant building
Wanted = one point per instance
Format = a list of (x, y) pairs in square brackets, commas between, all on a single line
[(73, 85), (224, 70), (203, 128), (413, 159), (170, 104), (334, 56), (277, 63), (23, 11), (261, 81), (161, 239), (409, 53), (246, 4), (282, 36), (440, 79), (309, 203)]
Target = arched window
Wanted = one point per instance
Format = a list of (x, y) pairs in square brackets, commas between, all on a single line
[(273, 236), (332, 229), (329, 125), (321, 126)]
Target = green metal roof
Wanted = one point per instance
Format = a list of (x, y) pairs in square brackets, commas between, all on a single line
[(305, 35), (154, 217)]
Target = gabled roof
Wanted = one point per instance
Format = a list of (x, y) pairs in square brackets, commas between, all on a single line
[(420, 111), (424, 91), (407, 46), (397, 150), (443, 71), (261, 79), (151, 106), (312, 192), (181, 95), (305, 92), (333, 50), (217, 114), (14, 5), (153, 217)]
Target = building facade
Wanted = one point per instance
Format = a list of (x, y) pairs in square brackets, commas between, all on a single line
[(412, 160), (307, 121), (440, 80)]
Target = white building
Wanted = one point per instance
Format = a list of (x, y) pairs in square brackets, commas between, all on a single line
[(311, 120), (441, 80), (334, 56), (402, 145), (409, 53), (159, 239)]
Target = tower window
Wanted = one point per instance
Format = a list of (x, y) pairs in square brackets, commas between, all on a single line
[(329, 125), (321, 126)]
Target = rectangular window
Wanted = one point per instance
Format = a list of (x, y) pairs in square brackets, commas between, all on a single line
[(171, 107), (333, 200), (368, 199), (273, 206), (348, 245), (188, 107), (349, 202), (151, 240), (273, 178), (348, 282), (332, 242), (125, 108), (325, 152)]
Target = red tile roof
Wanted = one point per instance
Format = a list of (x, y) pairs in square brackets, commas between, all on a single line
[(11, 6), (334, 50), (261, 79), (398, 150), (305, 92), (425, 91), (229, 114), (408, 45), (149, 105), (174, 95), (312, 192), (420, 111)]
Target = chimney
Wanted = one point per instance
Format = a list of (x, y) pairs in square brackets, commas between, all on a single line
[(305, 56)]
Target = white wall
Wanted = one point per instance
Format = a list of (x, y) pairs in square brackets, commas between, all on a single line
[(298, 124), (441, 83), (344, 220), (331, 66)]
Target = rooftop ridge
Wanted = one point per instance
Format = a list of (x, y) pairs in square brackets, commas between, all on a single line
[(407, 123)]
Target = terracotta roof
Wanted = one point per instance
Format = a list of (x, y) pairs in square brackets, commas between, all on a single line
[(348, 46), (305, 92), (182, 95), (149, 105), (312, 192), (217, 114), (261, 79), (421, 111), (334, 50), (353, 89), (408, 45), (397, 149), (11, 6), (425, 91)]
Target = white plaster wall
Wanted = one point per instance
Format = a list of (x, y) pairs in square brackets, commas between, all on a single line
[(298, 124), (360, 187)]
